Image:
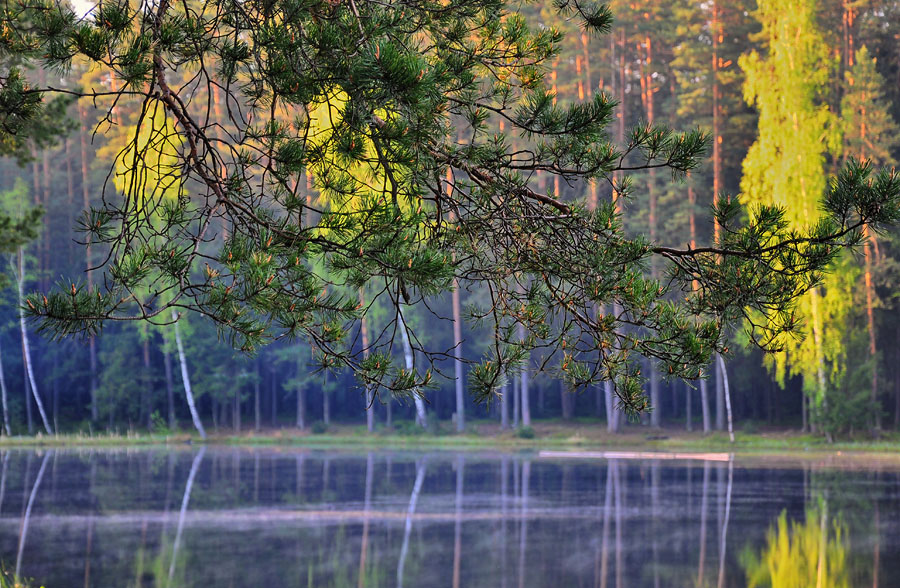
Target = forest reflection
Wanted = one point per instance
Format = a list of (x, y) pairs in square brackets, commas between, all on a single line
[(223, 517)]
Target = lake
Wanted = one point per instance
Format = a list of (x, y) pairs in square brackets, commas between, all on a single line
[(222, 516)]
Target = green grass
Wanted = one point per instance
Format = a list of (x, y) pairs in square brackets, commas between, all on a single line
[(549, 434)]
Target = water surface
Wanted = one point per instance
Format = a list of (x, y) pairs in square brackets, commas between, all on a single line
[(262, 517)]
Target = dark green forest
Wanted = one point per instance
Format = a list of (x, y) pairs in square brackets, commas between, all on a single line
[(787, 92)]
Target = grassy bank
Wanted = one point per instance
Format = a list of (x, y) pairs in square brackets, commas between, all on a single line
[(583, 434)]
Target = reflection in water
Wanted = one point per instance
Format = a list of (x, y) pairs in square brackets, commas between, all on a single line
[(241, 517), (807, 553)]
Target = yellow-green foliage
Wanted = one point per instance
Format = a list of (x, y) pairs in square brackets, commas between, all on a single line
[(350, 175), (785, 167), (800, 554), (146, 158)]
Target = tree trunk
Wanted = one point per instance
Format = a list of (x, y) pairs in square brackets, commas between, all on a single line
[(720, 396), (704, 405), (29, 366), (526, 403), (870, 319), (369, 392), (301, 396), (86, 203), (688, 413), (257, 413), (236, 411), (326, 400), (6, 427), (612, 413), (170, 389), (504, 404), (408, 357), (147, 389), (457, 359), (186, 380), (727, 396)]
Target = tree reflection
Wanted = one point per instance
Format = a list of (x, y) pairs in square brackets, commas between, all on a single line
[(801, 554)]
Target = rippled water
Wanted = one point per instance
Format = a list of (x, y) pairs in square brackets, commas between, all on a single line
[(247, 517)]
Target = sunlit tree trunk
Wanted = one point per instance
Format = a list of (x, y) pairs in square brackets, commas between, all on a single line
[(870, 318), (421, 419), (26, 347), (720, 395), (504, 404), (186, 380), (86, 203)]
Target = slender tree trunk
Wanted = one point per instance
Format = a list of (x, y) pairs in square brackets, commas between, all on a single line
[(704, 405), (408, 357), (29, 365), (504, 404), (516, 402), (326, 400), (6, 427), (870, 319), (257, 413), (29, 419), (727, 397), (236, 411), (186, 380), (720, 396), (86, 203), (457, 359), (170, 388), (301, 396), (688, 413), (526, 403), (820, 399), (369, 392), (147, 389)]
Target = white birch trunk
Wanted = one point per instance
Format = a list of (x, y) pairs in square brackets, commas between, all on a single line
[(3, 396), (727, 396), (408, 357), (187, 380), (20, 282)]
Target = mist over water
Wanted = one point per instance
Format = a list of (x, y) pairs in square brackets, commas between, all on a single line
[(262, 517)]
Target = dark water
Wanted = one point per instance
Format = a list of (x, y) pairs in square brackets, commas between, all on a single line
[(238, 517)]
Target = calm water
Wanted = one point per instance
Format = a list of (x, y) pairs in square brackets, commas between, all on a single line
[(241, 517)]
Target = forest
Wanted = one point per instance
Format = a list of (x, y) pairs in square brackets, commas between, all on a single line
[(787, 92)]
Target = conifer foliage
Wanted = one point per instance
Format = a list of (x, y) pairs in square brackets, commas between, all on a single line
[(421, 189)]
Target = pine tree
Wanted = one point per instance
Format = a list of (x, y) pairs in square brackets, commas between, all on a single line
[(407, 73)]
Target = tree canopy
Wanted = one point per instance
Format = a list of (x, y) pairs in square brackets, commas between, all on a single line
[(208, 215)]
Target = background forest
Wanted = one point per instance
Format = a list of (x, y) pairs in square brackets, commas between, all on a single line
[(787, 89)]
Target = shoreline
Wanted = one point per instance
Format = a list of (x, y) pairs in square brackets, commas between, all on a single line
[(553, 435)]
